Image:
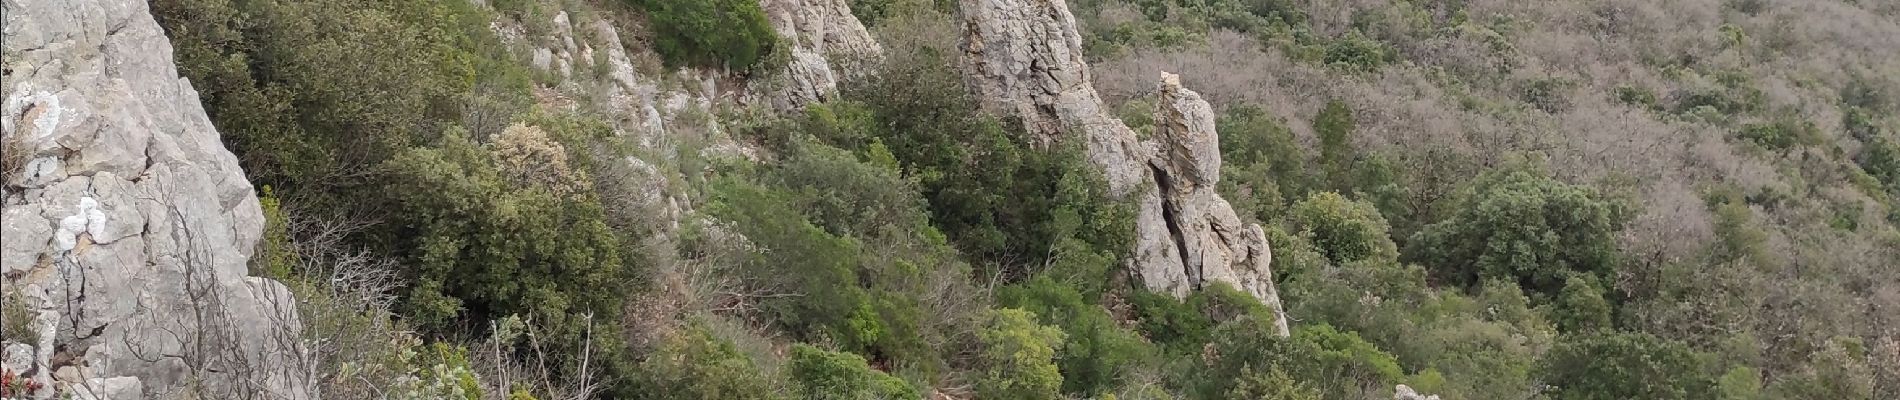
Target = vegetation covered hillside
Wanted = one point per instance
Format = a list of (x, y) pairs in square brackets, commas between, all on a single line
[(1475, 199)]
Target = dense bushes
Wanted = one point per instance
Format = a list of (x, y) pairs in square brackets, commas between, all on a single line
[(824, 374), (492, 246), (1520, 225), (1019, 357), (732, 34), (695, 364), (304, 123), (1097, 353), (989, 188), (1625, 366)]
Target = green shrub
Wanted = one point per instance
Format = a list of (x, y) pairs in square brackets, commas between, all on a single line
[(694, 364), (1344, 230), (1019, 357), (1781, 134), (1522, 225), (851, 238), (799, 258), (275, 256), (1169, 322), (1547, 94), (999, 196), (1639, 97), (1624, 366), (483, 245), (731, 34), (1580, 307), (1273, 384), (1334, 125), (1881, 159), (1356, 52), (829, 375), (1262, 163), (1097, 351), (1341, 364)]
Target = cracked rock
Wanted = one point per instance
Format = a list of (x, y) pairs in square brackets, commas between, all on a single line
[(1024, 58), (132, 221)]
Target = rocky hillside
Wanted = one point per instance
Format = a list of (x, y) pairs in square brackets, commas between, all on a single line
[(973, 199)]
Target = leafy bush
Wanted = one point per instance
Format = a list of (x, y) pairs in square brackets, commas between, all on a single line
[(1018, 355), (799, 258), (989, 187), (1334, 125), (1344, 230), (1639, 97), (1547, 94), (1356, 52), (1342, 364), (1522, 225), (822, 374), (489, 247), (710, 33), (1781, 134), (845, 252), (1097, 351), (1580, 307), (1881, 159), (295, 117), (1263, 164), (694, 364), (1624, 366)]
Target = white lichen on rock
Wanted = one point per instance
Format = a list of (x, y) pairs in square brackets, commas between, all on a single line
[(130, 230)]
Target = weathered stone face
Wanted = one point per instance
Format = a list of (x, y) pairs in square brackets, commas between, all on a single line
[(129, 235), (1211, 236), (1024, 58), (826, 43)]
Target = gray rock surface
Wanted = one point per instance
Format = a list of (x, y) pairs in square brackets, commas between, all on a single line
[(1403, 392), (131, 233), (826, 40), (1024, 58), (1212, 237)]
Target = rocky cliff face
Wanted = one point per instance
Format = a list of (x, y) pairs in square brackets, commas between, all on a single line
[(127, 225), (826, 41), (1024, 58)]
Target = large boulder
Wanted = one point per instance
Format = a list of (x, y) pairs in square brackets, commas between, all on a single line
[(128, 226)]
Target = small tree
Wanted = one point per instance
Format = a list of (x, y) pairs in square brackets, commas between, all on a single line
[(1522, 225), (1019, 356), (1580, 307), (1344, 230), (1334, 125)]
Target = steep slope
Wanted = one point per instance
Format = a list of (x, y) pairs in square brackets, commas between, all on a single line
[(1024, 58), (128, 226)]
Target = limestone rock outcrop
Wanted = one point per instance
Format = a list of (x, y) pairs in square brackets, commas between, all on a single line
[(1403, 392), (826, 42), (128, 227), (1210, 234), (1023, 58)]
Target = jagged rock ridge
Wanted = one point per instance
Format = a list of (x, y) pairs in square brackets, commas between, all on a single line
[(1024, 58), (128, 227)]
